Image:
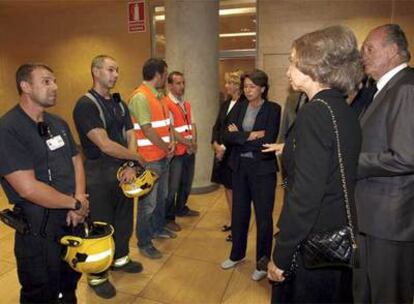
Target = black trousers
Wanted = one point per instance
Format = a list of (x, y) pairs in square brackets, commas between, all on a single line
[(386, 274), (42, 272), (108, 203), (327, 285), (250, 186)]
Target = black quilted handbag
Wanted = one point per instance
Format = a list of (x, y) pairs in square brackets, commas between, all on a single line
[(336, 248), (329, 249)]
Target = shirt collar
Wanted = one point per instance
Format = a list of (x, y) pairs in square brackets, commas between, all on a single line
[(387, 76), (157, 93), (175, 99)]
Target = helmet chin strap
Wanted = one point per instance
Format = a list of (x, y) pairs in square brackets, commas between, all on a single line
[(87, 224)]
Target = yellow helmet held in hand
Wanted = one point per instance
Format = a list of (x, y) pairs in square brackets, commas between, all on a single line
[(92, 251), (140, 185)]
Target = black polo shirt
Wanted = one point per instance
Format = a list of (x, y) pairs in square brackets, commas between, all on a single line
[(86, 117), (22, 148)]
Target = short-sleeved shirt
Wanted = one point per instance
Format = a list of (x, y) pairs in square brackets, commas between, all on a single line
[(23, 148), (139, 106), (86, 117)]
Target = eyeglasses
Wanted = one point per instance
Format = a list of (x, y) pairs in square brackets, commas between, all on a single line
[(43, 129)]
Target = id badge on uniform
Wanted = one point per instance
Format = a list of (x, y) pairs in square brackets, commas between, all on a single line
[(55, 143)]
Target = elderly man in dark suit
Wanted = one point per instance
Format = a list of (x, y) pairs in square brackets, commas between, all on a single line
[(385, 189)]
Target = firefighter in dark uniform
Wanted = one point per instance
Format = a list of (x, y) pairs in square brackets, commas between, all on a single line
[(42, 175), (108, 141)]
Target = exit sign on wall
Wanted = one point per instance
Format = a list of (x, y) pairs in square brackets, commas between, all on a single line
[(136, 16)]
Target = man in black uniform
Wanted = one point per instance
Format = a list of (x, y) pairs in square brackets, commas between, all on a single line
[(42, 175), (108, 140)]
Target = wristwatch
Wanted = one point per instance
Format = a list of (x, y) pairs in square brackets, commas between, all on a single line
[(78, 205)]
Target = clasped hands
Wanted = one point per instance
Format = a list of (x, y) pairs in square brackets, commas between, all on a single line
[(74, 217)]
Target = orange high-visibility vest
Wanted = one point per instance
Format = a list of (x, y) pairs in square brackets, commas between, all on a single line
[(160, 122), (182, 122)]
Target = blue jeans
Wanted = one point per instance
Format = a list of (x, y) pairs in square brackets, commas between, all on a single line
[(151, 208), (179, 186)]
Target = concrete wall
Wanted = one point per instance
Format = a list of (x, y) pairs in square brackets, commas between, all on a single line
[(282, 21)]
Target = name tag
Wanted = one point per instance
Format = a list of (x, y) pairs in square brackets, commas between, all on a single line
[(55, 143)]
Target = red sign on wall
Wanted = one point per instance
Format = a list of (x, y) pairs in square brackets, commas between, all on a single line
[(136, 16)]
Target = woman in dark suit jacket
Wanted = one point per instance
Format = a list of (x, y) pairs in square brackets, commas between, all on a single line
[(252, 123), (221, 170), (326, 66)]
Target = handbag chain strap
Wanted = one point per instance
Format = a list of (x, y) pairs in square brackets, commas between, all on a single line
[(342, 170)]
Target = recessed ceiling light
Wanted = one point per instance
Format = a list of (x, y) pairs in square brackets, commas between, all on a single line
[(222, 12), (245, 34), (237, 11)]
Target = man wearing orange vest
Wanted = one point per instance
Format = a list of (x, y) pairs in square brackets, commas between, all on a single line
[(182, 164), (153, 132)]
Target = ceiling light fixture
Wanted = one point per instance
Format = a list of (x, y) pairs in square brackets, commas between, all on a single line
[(244, 34), (222, 12)]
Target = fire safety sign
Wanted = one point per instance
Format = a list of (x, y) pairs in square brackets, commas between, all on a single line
[(136, 16)]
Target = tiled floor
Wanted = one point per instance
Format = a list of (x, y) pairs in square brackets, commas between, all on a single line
[(189, 272)]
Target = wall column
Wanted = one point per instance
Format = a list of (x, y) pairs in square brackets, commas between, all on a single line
[(192, 29)]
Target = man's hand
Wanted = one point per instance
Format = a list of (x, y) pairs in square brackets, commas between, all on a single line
[(274, 273), (127, 175), (171, 149), (83, 198), (193, 148), (84, 210), (73, 218)]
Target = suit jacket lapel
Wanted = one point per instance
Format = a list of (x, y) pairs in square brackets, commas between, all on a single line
[(374, 104), (226, 108), (261, 111), (381, 96), (243, 109)]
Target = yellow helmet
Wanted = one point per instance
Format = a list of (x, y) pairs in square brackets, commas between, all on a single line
[(141, 184), (93, 252)]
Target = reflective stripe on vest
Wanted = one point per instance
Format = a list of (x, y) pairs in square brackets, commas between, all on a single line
[(147, 142), (155, 124), (160, 122), (183, 128), (182, 122)]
